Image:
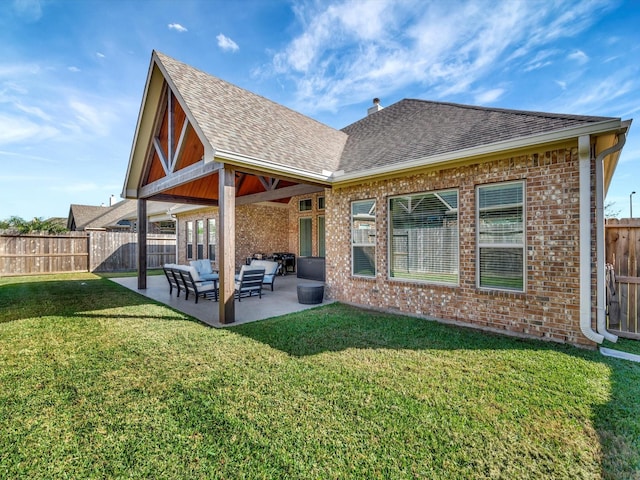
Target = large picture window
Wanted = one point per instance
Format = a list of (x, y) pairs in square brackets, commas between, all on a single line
[(363, 238), (500, 230), (424, 237)]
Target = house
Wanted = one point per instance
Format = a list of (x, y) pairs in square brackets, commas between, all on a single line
[(486, 217), (117, 217)]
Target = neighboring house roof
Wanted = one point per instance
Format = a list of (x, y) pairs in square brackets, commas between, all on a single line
[(235, 120), (90, 217), (414, 129)]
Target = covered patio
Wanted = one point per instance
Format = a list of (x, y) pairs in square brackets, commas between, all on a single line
[(223, 149), (281, 301)]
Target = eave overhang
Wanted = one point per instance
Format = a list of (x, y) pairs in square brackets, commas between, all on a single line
[(479, 152)]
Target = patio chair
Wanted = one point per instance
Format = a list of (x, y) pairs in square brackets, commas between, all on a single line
[(171, 278), (249, 282), (206, 289)]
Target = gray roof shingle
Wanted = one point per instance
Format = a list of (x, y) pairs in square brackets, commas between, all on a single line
[(412, 129), (236, 120)]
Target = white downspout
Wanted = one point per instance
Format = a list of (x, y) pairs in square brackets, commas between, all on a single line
[(584, 158), (601, 322)]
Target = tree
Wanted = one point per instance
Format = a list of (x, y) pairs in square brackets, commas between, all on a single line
[(19, 225), (609, 212)]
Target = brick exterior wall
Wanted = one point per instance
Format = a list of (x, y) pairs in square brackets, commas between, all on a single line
[(548, 309), (550, 306), (259, 229)]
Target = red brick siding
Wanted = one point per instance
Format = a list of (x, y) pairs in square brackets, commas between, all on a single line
[(550, 306)]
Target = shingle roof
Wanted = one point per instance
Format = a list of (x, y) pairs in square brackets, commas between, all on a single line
[(412, 129), (91, 217), (236, 120)]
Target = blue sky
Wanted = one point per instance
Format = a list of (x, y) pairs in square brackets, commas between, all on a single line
[(72, 72)]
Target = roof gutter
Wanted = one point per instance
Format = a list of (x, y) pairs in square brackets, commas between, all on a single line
[(601, 324), (260, 164), (514, 144)]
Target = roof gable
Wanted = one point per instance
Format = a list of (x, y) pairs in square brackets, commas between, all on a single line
[(235, 120)]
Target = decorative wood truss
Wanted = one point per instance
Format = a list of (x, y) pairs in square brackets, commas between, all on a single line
[(177, 171)]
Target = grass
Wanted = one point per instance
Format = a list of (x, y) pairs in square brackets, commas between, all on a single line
[(99, 382)]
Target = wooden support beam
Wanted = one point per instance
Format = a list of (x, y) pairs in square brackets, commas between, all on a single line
[(180, 177), (278, 193), (170, 126), (163, 158), (162, 197), (180, 145), (227, 244), (142, 244)]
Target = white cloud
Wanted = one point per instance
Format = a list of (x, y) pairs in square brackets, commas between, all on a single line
[(17, 129), (578, 56), (349, 50), (34, 111), (225, 43), (73, 69), (489, 96), (177, 27), (561, 84), (100, 55), (94, 118)]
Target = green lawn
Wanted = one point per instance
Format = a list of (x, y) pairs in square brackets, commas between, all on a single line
[(99, 382)]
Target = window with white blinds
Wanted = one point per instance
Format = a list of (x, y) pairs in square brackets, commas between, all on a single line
[(363, 238), (424, 242), (501, 239)]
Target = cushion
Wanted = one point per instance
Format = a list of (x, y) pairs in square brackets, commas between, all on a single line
[(203, 266), (270, 267)]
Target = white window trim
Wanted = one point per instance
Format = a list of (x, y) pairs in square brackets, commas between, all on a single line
[(390, 239), (500, 245), (374, 245)]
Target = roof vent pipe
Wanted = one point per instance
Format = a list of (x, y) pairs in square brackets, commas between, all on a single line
[(376, 107)]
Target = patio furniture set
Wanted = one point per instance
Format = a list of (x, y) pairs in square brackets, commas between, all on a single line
[(199, 278)]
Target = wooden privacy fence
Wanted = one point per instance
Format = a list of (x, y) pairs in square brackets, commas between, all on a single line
[(34, 254), (622, 244)]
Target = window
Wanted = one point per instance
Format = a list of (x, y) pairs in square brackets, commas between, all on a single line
[(213, 238), (189, 240), (305, 237), (321, 249), (363, 238), (305, 205), (200, 236), (500, 227), (320, 203), (424, 237)]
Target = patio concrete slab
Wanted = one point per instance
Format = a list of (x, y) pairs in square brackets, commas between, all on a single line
[(283, 300)]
